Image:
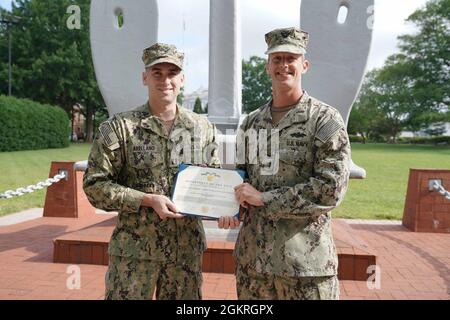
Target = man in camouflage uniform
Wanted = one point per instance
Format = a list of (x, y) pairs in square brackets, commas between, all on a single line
[(285, 249), (131, 169)]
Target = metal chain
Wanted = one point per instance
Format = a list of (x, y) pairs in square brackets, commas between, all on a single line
[(439, 188), (41, 185)]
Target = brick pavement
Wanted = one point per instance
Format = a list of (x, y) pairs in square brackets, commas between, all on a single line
[(412, 265)]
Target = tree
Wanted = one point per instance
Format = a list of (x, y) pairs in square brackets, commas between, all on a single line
[(198, 106), (428, 54), (52, 63), (411, 91), (180, 98), (384, 105), (392, 88), (256, 84), (364, 113)]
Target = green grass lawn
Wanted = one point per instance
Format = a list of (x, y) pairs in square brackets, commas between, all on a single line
[(380, 196)]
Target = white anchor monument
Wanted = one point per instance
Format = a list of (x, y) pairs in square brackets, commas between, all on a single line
[(338, 51)]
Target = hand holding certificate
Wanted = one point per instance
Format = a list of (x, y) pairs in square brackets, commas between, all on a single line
[(207, 192)]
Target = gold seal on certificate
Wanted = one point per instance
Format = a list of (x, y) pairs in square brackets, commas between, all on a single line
[(207, 192)]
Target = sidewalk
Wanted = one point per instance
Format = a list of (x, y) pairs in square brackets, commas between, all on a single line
[(26, 215)]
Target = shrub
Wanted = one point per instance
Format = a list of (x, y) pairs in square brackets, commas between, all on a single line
[(440, 140), (28, 125), (354, 138)]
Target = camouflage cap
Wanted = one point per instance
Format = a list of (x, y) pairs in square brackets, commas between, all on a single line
[(291, 40), (160, 53)]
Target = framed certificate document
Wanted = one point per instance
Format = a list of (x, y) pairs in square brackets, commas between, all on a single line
[(207, 192)]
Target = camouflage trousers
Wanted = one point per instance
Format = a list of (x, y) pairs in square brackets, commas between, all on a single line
[(133, 279), (256, 286)]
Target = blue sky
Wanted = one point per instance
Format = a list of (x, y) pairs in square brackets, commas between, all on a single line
[(6, 4), (261, 15)]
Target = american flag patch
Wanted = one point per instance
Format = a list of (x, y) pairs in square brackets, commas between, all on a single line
[(328, 130), (108, 134)]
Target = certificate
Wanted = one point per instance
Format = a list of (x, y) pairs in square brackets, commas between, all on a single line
[(207, 192)]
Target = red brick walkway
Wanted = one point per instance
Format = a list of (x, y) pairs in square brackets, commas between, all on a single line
[(412, 265)]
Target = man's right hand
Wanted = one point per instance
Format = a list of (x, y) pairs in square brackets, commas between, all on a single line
[(162, 205)]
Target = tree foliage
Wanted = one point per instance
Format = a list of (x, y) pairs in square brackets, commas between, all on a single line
[(256, 84), (52, 64), (429, 55), (364, 113), (198, 106), (180, 97), (28, 125), (411, 91)]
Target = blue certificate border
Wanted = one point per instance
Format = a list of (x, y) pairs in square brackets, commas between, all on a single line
[(184, 166)]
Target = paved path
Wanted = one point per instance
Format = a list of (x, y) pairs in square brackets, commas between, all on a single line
[(26, 215)]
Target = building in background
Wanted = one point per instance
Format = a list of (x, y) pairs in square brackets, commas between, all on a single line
[(443, 127), (189, 99), (78, 124)]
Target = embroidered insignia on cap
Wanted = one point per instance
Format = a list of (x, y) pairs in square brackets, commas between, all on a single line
[(328, 130), (109, 136)]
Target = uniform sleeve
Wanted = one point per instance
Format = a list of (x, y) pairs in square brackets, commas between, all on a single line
[(241, 146), (328, 184), (212, 147), (104, 165)]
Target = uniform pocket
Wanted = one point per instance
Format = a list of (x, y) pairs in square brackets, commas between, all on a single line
[(293, 153), (146, 159)]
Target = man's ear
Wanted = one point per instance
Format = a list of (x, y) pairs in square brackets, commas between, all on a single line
[(183, 80), (305, 65), (144, 78), (267, 68)]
